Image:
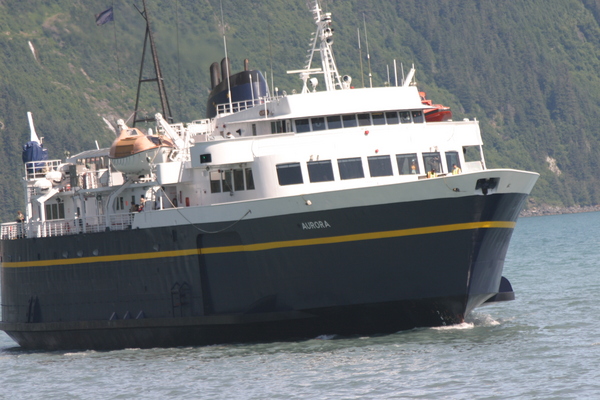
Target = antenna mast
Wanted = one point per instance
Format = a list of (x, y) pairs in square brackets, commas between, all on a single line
[(329, 70), (164, 101), (368, 55)]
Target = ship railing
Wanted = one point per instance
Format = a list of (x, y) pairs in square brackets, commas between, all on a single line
[(226, 108), (64, 227), (12, 230), (38, 169)]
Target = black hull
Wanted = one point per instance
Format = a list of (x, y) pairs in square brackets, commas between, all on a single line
[(371, 269)]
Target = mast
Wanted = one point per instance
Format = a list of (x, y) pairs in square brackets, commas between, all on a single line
[(321, 42), (164, 101)]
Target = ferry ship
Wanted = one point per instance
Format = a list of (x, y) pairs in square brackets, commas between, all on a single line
[(336, 211)]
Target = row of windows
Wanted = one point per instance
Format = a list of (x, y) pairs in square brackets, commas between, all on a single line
[(231, 180), (55, 211), (352, 168), (348, 121)]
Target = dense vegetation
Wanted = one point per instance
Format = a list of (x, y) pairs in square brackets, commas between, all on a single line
[(527, 69)]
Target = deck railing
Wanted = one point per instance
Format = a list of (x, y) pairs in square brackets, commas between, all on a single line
[(38, 169), (63, 227)]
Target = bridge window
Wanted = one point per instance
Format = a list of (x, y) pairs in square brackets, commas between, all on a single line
[(405, 117), (289, 174), (418, 116), (380, 166), (351, 168), (334, 122), (408, 164), (392, 118), (432, 161), (349, 120), (378, 118), (302, 125), (320, 171), (451, 160), (318, 124), (364, 119)]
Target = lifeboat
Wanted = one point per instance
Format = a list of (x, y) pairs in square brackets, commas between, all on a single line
[(134, 152), (438, 113)]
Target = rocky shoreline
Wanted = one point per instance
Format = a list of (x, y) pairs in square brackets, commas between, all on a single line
[(536, 210)]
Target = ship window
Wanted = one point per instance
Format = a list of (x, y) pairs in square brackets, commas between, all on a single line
[(302, 125), (451, 160), (380, 166), (253, 129), (432, 161), (249, 179), (318, 124), (378, 118), (334, 122), (215, 182), (289, 174), (227, 181), (405, 117), (418, 116), (392, 117), (364, 119), (119, 204), (205, 158), (351, 168), (238, 179), (278, 126), (349, 120), (407, 164), (320, 171), (55, 211)]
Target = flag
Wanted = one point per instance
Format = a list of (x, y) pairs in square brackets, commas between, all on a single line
[(104, 17)]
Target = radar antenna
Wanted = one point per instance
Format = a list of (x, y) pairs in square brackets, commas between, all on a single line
[(321, 42)]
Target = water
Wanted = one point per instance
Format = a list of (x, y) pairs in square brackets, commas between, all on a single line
[(543, 345)]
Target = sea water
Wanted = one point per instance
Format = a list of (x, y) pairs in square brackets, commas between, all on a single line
[(543, 345)]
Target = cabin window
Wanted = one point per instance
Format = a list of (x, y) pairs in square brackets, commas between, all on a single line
[(289, 174), (318, 124), (364, 119), (418, 116), (320, 171), (280, 126), (253, 129), (380, 166), (378, 118), (407, 164), (227, 177), (302, 125), (215, 182), (55, 211), (249, 179), (432, 162), (351, 168), (392, 118), (334, 122), (277, 126), (405, 117), (119, 204), (451, 160), (238, 179), (349, 120)]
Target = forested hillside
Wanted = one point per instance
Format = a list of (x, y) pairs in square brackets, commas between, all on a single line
[(527, 69)]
